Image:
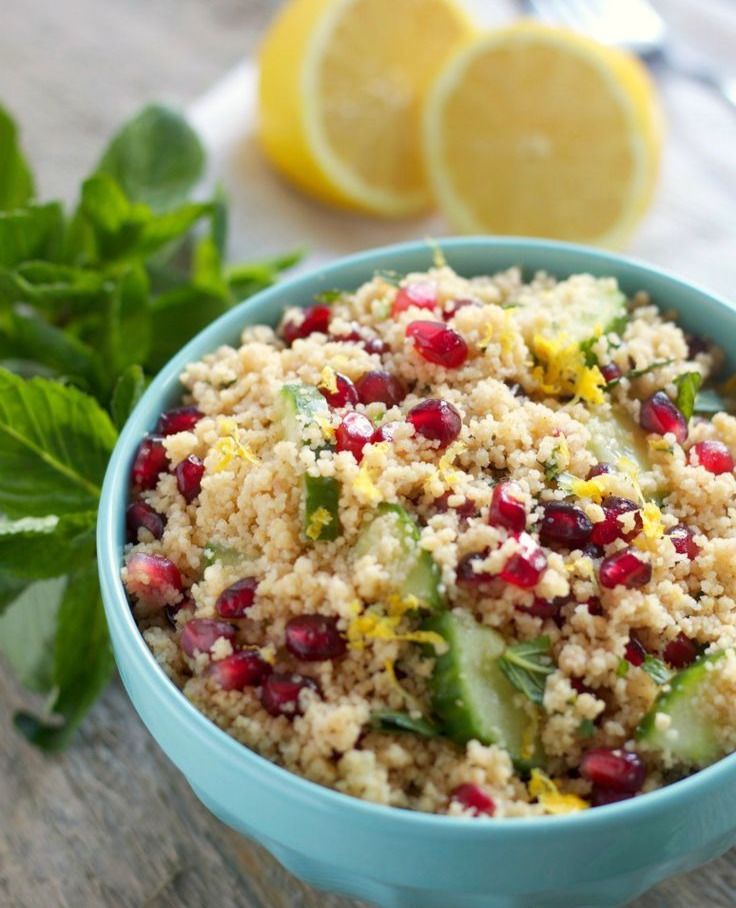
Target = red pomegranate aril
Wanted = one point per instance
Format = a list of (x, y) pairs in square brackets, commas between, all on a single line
[(344, 395), (466, 575), (713, 456), (564, 524), (634, 653), (386, 432), (600, 469), (507, 508), (592, 550), (375, 345), (436, 420), (150, 461), (467, 508), (611, 528), (141, 516), (280, 693), (189, 473), (579, 686), (624, 568), (353, 434), (153, 579), (525, 567), (235, 601), (246, 668), (452, 308), (603, 796), (474, 799), (610, 372), (594, 606), (681, 651), (316, 318), (171, 611), (683, 539), (199, 635), (314, 638), (614, 769), (658, 414), (380, 387), (438, 344), (182, 419), (423, 295), (543, 608)]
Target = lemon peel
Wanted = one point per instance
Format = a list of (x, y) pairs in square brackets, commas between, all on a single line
[(317, 522), (561, 369), (230, 447), (328, 380), (550, 797)]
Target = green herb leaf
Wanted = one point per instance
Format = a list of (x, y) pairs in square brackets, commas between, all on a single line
[(126, 327), (327, 297), (586, 729), (16, 181), (393, 721), (709, 400), (637, 373), (656, 669), (527, 666), (687, 389), (27, 630), (248, 278), (156, 158), (623, 668), (176, 317), (35, 548), (128, 390), (10, 589), (54, 446), (34, 232), (83, 662)]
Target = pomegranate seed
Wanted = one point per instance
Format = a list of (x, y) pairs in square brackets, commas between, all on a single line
[(436, 420), (714, 456), (603, 796), (153, 579), (610, 528), (140, 515), (466, 576), (189, 473), (468, 508), (592, 550), (235, 601), (564, 524), (696, 344), (245, 668), (614, 769), (507, 507), (525, 567), (634, 653), (182, 419), (600, 469), (423, 295), (316, 318), (385, 432), (438, 344), (683, 539), (681, 651), (314, 638), (610, 372), (579, 686), (345, 394), (375, 345), (380, 387), (594, 606), (353, 434), (150, 461), (280, 693), (199, 635), (624, 568), (171, 611), (544, 608), (658, 414), (451, 309), (473, 798), (370, 344)]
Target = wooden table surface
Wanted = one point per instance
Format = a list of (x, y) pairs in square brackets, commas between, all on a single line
[(110, 823)]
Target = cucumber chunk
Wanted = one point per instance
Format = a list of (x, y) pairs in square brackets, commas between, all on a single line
[(617, 436), (577, 313), (690, 739), (471, 694), (321, 508), (217, 551), (415, 571), (298, 408)]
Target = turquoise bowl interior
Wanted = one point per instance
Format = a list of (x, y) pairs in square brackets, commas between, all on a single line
[(602, 857)]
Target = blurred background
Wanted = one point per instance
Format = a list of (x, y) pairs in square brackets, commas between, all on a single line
[(108, 823)]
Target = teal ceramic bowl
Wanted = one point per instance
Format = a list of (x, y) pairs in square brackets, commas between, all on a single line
[(396, 858)]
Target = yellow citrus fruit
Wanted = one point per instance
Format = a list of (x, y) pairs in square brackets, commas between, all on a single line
[(536, 131), (342, 84)]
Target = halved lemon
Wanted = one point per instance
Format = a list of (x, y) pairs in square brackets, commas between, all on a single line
[(342, 85), (536, 131)]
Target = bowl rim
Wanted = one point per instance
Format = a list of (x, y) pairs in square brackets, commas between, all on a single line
[(114, 498)]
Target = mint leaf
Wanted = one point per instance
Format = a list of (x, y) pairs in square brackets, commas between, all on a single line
[(127, 393), (687, 389), (16, 181), (527, 666), (176, 317), (35, 548), (656, 669), (54, 446), (156, 158), (82, 664), (389, 720), (622, 669), (34, 232), (27, 630), (586, 728), (126, 335), (47, 286), (10, 589)]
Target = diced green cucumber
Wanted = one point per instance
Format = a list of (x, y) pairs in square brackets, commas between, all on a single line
[(225, 554), (299, 406), (618, 436), (321, 508), (582, 317), (690, 739), (417, 573), (471, 694)]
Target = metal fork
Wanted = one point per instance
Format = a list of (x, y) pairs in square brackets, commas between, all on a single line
[(635, 26)]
